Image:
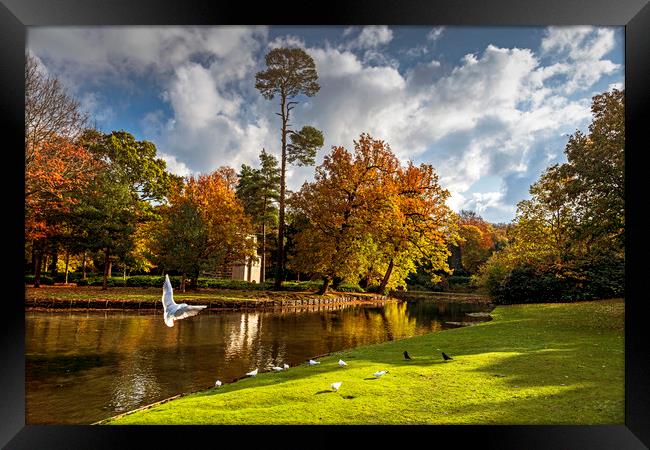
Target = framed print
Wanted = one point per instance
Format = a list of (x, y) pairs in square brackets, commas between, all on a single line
[(442, 133)]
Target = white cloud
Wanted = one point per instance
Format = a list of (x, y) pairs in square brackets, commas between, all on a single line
[(287, 41), (581, 51), (94, 104), (486, 116), (435, 33), (174, 165), (372, 37), (617, 86), (481, 201)]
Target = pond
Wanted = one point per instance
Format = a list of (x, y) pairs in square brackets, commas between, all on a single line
[(84, 366)]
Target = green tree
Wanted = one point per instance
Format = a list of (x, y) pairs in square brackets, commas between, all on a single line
[(575, 217), (181, 240), (122, 194), (596, 168), (289, 73), (258, 189)]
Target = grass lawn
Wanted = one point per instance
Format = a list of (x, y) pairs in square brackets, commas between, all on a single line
[(135, 294), (533, 364)]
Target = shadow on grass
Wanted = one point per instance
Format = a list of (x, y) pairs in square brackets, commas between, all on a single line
[(573, 406), (542, 351)]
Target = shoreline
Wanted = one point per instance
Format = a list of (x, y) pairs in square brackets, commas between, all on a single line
[(92, 298)]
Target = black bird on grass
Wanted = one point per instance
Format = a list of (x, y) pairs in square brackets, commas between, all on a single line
[(446, 357), (406, 355)]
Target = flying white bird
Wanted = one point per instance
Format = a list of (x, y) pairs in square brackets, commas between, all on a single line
[(277, 369), (217, 383), (342, 363), (380, 373), (174, 311), (337, 385), (313, 363), (286, 366), (252, 373)]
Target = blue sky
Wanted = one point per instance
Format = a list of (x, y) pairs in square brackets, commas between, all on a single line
[(489, 107)]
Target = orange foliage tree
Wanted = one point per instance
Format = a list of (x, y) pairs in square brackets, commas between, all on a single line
[(58, 170), (367, 216), (204, 226)]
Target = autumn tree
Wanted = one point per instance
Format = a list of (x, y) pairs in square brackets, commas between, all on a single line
[(204, 227), (416, 227), (478, 239), (59, 170), (369, 217), (289, 73), (337, 206), (258, 189), (55, 165)]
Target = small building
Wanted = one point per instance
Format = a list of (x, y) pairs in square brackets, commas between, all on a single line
[(250, 270)]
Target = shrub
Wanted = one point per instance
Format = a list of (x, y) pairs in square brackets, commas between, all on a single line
[(218, 283), (45, 280), (349, 287), (584, 279)]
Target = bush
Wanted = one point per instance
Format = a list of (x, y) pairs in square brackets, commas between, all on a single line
[(218, 283), (585, 279), (151, 281), (349, 287), (45, 280)]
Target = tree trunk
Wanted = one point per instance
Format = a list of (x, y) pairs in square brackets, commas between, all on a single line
[(280, 269), (107, 255), (384, 282), (124, 277), (33, 257), (83, 265), (263, 265), (37, 272), (326, 284), (67, 263), (110, 268), (55, 259), (45, 258), (183, 282)]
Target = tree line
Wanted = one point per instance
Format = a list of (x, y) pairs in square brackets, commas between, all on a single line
[(567, 241), (106, 200), (96, 200)]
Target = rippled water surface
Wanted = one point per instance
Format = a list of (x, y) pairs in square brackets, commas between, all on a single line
[(84, 366)]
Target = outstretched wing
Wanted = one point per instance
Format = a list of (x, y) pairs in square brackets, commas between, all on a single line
[(169, 321), (184, 310), (168, 296)]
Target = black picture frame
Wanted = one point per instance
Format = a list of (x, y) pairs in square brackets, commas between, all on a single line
[(16, 15)]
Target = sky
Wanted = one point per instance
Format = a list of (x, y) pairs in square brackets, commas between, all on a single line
[(490, 108)]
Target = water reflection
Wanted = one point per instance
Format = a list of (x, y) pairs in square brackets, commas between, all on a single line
[(84, 366)]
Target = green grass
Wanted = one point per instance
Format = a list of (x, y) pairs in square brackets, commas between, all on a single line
[(533, 364), (133, 294)]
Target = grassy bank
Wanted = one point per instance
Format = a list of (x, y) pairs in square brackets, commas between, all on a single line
[(128, 297), (533, 364)]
